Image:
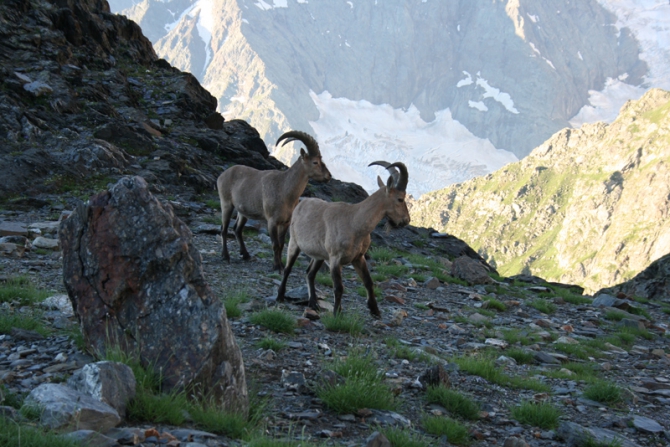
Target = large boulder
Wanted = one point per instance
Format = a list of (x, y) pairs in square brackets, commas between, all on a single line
[(110, 382), (135, 281)]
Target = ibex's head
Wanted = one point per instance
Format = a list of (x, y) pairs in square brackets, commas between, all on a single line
[(396, 212), (311, 160)]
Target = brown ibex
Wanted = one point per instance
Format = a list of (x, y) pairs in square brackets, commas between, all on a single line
[(268, 195), (340, 234)]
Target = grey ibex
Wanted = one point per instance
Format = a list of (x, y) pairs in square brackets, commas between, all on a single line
[(268, 195), (340, 234)]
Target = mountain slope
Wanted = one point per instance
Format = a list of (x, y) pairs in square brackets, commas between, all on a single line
[(506, 74), (589, 206)]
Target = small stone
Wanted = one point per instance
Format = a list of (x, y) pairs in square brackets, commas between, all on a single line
[(377, 439), (431, 283), (515, 442), (496, 342), (478, 318), (543, 357), (566, 340), (394, 299)]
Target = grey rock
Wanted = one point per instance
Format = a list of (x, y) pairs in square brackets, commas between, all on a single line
[(110, 382), (61, 303), (91, 438), (646, 425), (513, 441), (293, 380), (62, 408), (38, 88), (470, 270), (575, 435), (389, 418), (543, 357)]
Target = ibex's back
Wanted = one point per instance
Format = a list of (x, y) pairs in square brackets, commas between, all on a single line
[(268, 195)]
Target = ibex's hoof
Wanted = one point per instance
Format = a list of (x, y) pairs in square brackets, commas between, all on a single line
[(246, 256), (376, 315)]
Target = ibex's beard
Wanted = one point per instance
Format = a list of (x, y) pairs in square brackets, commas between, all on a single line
[(388, 226)]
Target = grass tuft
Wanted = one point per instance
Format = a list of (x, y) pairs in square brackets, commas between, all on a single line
[(22, 289), (454, 402), (346, 323), (544, 306), (232, 301), (271, 343), (455, 432), (603, 392), (521, 356), (543, 415), (16, 434), (495, 304), (275, 320)]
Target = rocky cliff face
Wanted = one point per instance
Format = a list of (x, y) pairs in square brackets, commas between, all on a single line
[(512, 73), (589, 206), (84, 99)]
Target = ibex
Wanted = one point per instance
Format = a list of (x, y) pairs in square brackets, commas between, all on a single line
[(340, 234), (268, 195)]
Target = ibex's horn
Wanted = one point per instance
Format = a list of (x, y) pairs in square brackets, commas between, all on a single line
[(306, 139), (399, 178), (401, 183)]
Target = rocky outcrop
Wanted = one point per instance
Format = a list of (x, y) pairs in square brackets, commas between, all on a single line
[(135, 280), (89, 101), (653, 283), (587, 207)]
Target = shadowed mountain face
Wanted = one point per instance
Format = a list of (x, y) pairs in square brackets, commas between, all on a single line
[(589, 206), (512, 73)]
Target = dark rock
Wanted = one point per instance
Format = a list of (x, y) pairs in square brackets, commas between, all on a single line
[(435, 376), (214, 121), (575, 435), (543, 357), (90, 437), (646, 425), (135, 279), (470, 270)]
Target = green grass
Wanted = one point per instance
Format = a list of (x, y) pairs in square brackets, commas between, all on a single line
[(544, 306), (363, 387), (513, 336), (495, 304), (214, 204), (582, 371), (396, 270), (22, 290), (382, 254), (28, 321), (22, 435), (163, 408), (11, 399), (213, 219), (212, 418), (232, 301), (275, 320), (405, 438), (455, 403), (455, 432), (271, 343), (543, 415), (400, 351), (580, 351), (591, 442), (421, 306), (343, 322), (324, 279), (614, 315), (484, 366), (521, 356), (603, 392), (643, 333), (360, 290)]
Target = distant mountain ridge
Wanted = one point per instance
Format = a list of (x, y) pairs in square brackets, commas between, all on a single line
[(504, 75), (590, 206)]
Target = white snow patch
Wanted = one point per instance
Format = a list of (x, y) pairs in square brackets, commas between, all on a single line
[(351, 4), (532, 45), (478, 105), (467, 81), (533, 18), (245, 21), (491, 92), (549, 62), (649, 20), (241, 99), (438, 153), (579, 55)]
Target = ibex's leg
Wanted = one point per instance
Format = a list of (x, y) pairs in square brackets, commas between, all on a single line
[(292, 255), (336, 275), (362, 269), (313, 269), (277, 233), (239, 229), (226, 212)]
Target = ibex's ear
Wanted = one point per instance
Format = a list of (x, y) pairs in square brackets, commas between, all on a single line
[(380, 182), (303, 154)]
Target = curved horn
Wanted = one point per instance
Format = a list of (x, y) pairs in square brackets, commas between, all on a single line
[(306, 139), (389, 167), (401, 183)]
